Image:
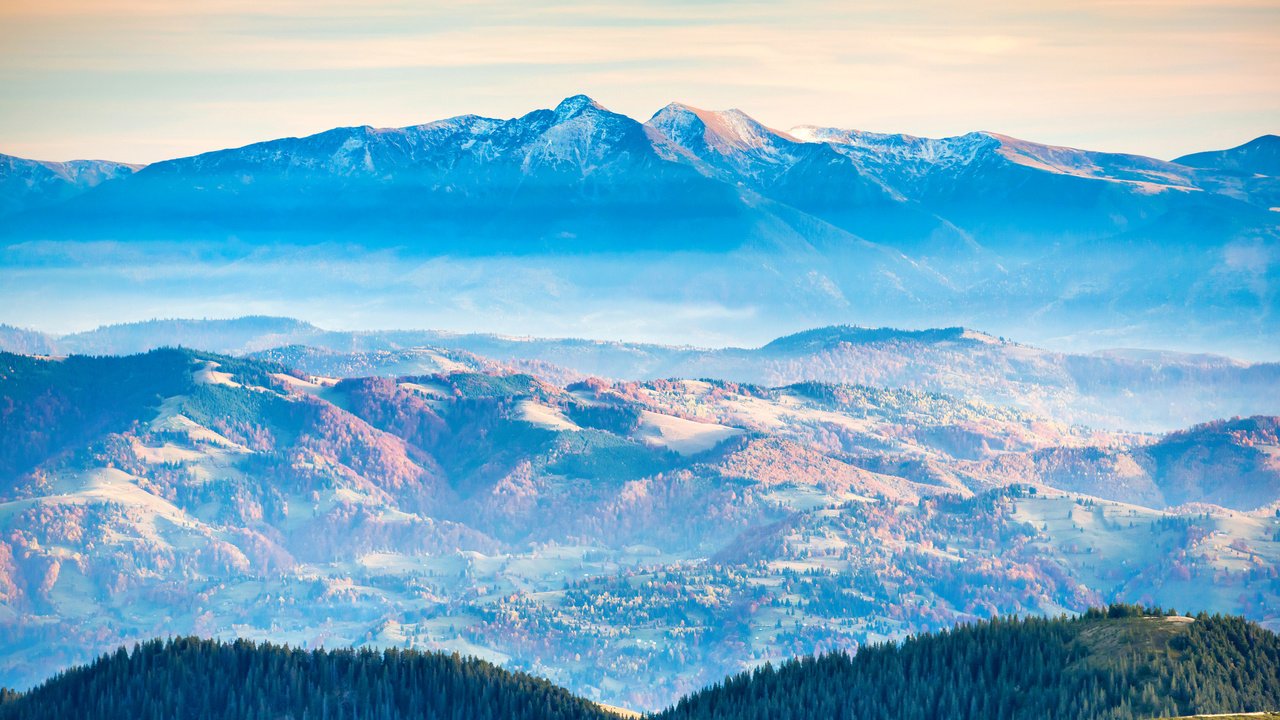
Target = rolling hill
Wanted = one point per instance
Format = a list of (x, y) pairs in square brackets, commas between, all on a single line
[(633, 541), (1121, 663), (1118, 664), (210, 680), (1131, 390)]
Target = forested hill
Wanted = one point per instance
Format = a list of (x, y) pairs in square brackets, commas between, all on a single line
[(1109, 665), (1114, 664), (210, 680)]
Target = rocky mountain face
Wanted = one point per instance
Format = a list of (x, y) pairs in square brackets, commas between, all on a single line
[(631, 540)]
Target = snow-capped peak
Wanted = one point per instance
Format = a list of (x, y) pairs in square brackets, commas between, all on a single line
[(960, 149), (724, 130), (575, 104), (809, 133)]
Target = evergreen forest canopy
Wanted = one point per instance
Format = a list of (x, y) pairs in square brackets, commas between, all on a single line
[(1122, 662), (213, 680), (564, 526)]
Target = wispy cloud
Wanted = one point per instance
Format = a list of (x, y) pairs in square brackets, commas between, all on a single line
[(116, 77)]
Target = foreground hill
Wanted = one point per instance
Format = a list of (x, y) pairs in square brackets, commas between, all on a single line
[(209, 680), (630, 540), (1117, 665)]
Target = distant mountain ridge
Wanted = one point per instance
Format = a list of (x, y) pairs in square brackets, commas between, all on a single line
[(582, 138), (461, 175), (27, 184), (577, 212), (1260, 156), (829, 337), (582, 178), (1133, 390)]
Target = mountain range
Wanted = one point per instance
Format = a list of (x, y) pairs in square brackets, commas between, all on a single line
[(579, 160), (795, 442), (610, 217), (633, 541), (1117, 389)]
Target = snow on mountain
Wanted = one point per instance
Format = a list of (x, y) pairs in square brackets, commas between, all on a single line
[(728, 134), (583, 136), (908, 150), (1249, 172), (826, 223), (1141, 223), (578, 134), (922, 166), (734, 146), (916, 156), (842, 176), (577, 175), (811, 177), (27, 184)]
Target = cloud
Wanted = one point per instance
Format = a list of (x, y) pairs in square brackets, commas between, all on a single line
[(1134, 74)]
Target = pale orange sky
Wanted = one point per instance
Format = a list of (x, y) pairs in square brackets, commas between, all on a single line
[(142, 80)]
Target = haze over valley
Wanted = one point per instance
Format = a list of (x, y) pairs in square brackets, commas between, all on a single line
[(693, 227), (674, 360), (631, 535)]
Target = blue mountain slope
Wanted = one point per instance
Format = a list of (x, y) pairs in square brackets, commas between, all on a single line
[(27, 184), (813, 177), (1021, 199), (1260, 156), (1250, 171), (710, 210), (574, 178), (581, 178)]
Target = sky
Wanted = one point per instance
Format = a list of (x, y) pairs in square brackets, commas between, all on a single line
[(144, 80)]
